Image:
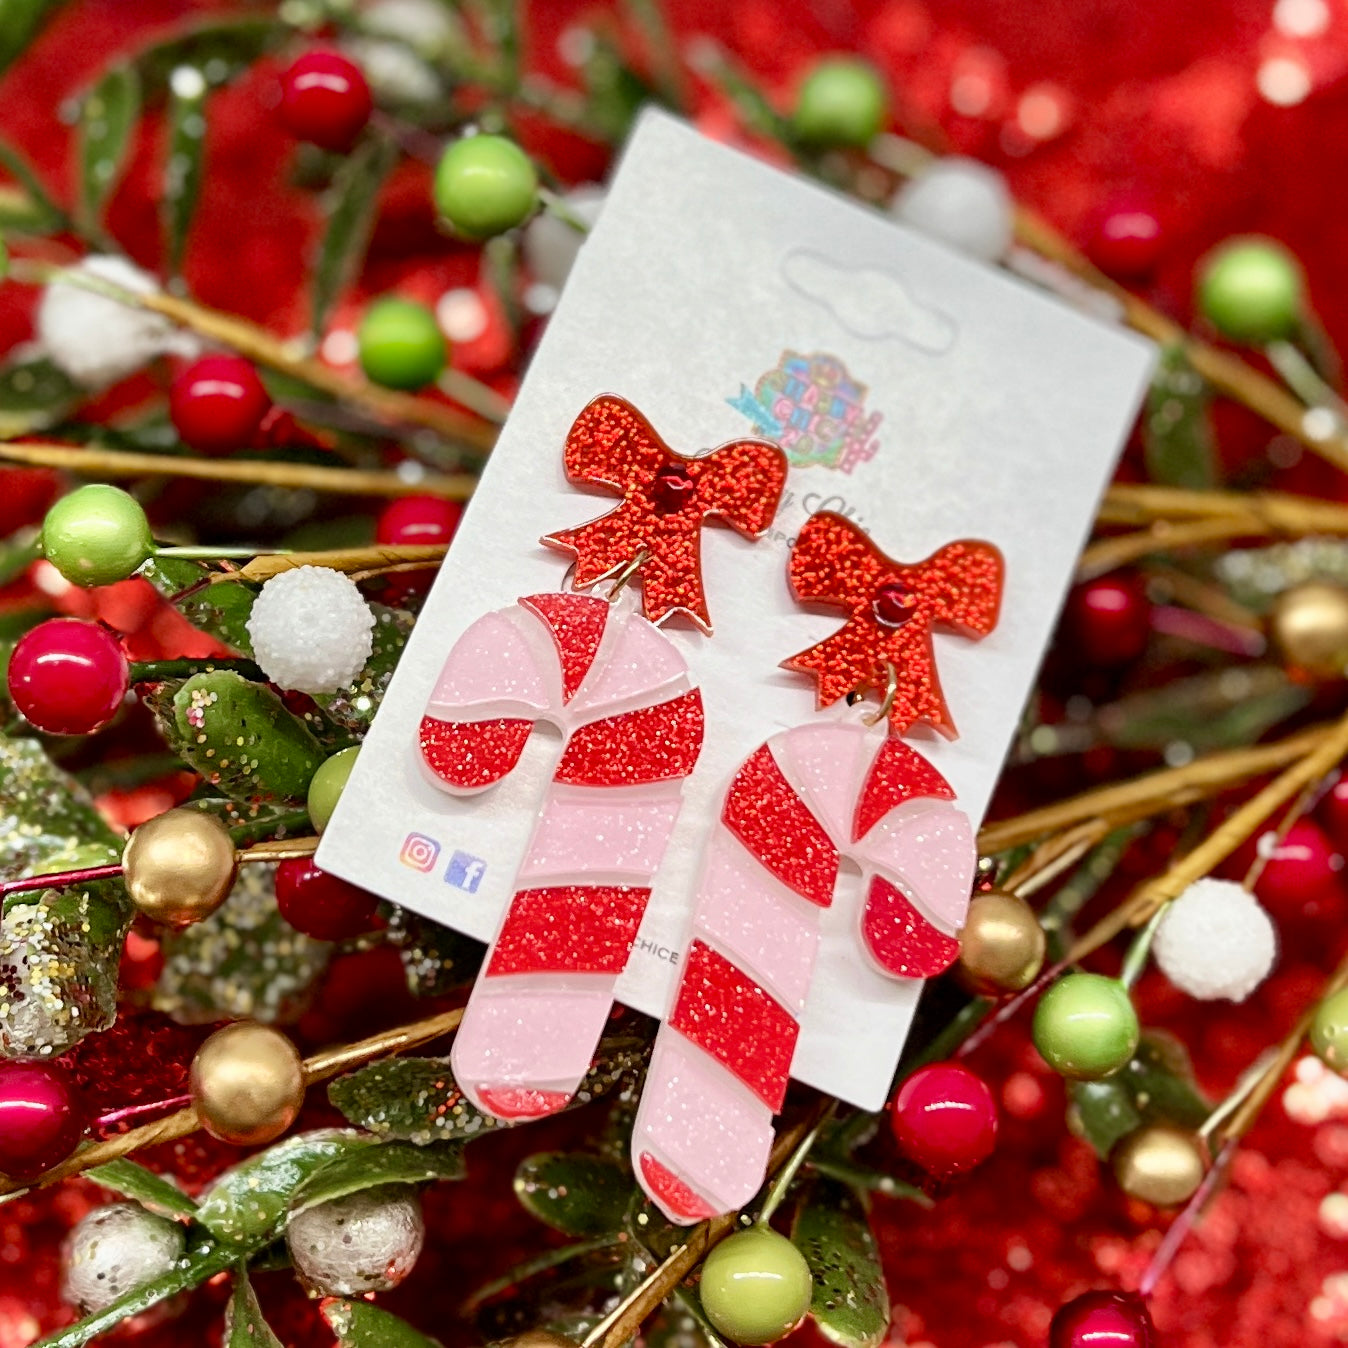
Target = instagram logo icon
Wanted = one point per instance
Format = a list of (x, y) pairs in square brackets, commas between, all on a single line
[(419, 852)]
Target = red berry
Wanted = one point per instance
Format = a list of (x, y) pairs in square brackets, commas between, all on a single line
[(218, 403), (419, 519), (321, 905), (68, 676), (325, 99), (1110, 619), (1127, 240), (1302, 873), (1102, 1320), (41, 1119), (1334, 812), (142, 962), (944, 1119)]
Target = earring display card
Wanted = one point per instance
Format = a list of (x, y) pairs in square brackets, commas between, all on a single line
[(923, 396)]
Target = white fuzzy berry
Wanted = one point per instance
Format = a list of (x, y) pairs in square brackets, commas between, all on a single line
[(97, 339), (311, 630), (962, 203), (424, 25), (115, 1249), (395, 73), (1216, 941), (367, 1242)]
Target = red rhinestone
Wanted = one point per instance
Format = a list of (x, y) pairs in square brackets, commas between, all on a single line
[(418, 519), (68, 676), (944, 1119), (325, 99), (673, 489), (322, 905), (894, 604), (218, 403)]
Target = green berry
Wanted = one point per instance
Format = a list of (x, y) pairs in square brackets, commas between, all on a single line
[(485, 185), (756, 1286), (327, 784), (401, 344), (97, 535), (843, 102), (1085, 1026), (1251, 290), (1329, 1031)]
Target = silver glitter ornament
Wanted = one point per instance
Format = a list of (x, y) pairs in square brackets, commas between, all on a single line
[(367, 1242), (115, 1249)]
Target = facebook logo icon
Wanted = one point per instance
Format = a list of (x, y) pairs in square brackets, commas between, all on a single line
[(465, 872)]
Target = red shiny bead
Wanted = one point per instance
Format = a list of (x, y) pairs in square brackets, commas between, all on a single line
[(68, 676), (944, 1119), (418, 519), (41, 1118), (672, 489), (322, 905), (1110, 619), (1102, 1320), (1302, 872), (325, 99), (1334, 812), (894, 604), (218, 403), (1127, 240)]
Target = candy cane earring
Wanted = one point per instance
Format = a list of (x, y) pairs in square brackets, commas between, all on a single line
[(799, 805), (631, 718)]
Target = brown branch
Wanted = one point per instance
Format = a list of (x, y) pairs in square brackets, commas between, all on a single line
[(361, 561)]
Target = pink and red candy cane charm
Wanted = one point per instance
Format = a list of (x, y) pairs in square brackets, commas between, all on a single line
[(622, 697)]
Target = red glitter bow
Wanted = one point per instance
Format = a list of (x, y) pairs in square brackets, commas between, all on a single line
[(657, 529), (891, 611)]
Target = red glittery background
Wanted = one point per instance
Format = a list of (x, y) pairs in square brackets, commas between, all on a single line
[(1230, 115)]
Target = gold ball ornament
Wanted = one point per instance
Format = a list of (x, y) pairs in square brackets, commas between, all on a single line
[(179, 867), (1308, 625), (247, 1084), (1159, 1164), (1002, 945)]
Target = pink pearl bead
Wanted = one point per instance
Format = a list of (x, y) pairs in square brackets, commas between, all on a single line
[(944, 1119), (1102, 1320), (41, 1120), (68, 676)]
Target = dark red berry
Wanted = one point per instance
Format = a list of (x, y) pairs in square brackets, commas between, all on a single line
[(322, 905), (68, 676), (1127, 240), (41, 1118), (418, 519), (218, 403), (1303, 872), (1102, 1320), (944, 1119), (1110, 619), (325, 99)]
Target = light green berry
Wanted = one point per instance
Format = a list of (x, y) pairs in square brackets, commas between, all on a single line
[(97, 535), (400, 344), (1329, 1031), (843, 102), (327, 784), (1085, 1026), (756, 1286), (485, 185), (1252, 290)]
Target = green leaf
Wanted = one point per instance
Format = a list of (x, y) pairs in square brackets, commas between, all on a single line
[(201, 1263), (1177, 430), (241, 738), (151, 1191), (616, 91), (220, 49), (20, 21), (222, 610), (360, 1325), (374, 1166), (1102, 1112), (576, 1194), (244, 1325), (851, 1302), (32, 211), (354, 707), (108, 116), (186, 159), (34, 394), (351, 206), (247, 1205), (435, 959)]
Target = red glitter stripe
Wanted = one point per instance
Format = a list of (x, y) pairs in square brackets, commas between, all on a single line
[(672, 1192), (904, 942), (576, 622), (772, 821), (586, 929), (898, 774), (722, 1010), (469, 754), (651, 744)]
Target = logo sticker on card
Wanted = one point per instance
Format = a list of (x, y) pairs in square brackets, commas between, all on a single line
[(717, 679)]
